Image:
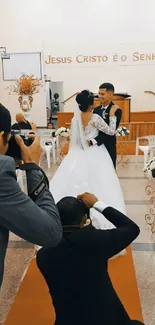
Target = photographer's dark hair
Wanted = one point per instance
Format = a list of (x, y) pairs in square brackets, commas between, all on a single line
[(71, 211), (5, 122), (107, 86), (84, 100)]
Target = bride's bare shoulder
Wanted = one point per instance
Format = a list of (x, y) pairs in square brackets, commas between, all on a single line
[(86, 118)]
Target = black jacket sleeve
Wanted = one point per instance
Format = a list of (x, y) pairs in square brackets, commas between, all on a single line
[(108, 242), (118, 114)]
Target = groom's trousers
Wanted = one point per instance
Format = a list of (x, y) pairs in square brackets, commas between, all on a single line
[(111, 148), (110, 144)]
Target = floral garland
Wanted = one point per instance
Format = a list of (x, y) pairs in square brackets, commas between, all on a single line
[(122, 131), (62, 132), (149, 169)]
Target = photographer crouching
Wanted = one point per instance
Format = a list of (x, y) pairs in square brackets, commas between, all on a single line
[(35, 217)]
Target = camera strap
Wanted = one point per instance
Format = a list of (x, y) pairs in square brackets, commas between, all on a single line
[(42, 185)]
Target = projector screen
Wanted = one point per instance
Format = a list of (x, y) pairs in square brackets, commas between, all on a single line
[(19, 63)]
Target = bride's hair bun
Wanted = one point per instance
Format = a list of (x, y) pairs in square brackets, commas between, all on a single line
[(84, 100)]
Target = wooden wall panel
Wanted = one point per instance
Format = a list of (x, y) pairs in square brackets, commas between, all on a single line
[(128, 149), (134, 116), (138, 129), (123, 103), (146, 116), (64, 117)]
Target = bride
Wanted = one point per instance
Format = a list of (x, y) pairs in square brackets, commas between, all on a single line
[(89, 169)]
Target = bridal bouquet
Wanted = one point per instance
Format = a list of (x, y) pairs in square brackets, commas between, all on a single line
[(62, 132), (122, 131), (149, 169)]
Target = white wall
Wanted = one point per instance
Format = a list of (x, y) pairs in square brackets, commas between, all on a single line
[(69, 28)]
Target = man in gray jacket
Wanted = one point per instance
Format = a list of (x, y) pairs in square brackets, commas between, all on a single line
[(35, 217)]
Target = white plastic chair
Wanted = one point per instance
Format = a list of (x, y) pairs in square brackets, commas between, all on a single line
[(26, 132), (45, 132), (48, 148), (20, 180), (146, 149), (57, 142), (46, 137)]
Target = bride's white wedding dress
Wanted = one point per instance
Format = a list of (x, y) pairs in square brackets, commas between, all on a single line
[(89, 169)]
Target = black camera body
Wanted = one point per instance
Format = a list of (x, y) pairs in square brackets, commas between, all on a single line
[(13, 149)]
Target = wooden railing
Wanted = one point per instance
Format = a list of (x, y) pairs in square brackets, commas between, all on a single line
[(138, 129), (66, 100)]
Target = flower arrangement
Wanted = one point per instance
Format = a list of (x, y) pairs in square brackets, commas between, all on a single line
[(26, 85), (149, 169), (65, 149), (122, 131), (62, 132)]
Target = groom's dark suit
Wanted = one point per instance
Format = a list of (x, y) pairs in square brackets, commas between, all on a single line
[(102, 138)]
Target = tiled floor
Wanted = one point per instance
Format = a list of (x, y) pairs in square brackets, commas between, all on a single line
[(138, 205)]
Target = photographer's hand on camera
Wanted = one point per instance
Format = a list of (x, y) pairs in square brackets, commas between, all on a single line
[(32, 153)]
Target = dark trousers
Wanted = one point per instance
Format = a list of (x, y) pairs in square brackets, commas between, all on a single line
[(112, 153), (4, 235)]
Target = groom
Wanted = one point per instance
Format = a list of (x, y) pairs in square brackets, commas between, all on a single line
[(106, 92)]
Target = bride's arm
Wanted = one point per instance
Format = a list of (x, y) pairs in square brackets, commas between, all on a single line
[(102, 126)]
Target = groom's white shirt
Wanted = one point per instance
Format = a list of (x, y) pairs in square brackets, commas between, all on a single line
[(100, 206), (97, 218)]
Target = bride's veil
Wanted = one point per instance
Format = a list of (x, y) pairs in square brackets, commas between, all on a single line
[(77, 138)]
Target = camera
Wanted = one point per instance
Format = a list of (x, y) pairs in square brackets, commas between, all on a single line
[(13, 148)]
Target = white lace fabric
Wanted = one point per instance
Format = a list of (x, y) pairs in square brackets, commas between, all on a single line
[(99, 124)]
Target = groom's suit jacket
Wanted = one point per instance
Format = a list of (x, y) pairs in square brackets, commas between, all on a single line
[(107, 140), (76, 272)]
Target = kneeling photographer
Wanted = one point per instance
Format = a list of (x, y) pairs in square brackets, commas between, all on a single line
[(35, 217)]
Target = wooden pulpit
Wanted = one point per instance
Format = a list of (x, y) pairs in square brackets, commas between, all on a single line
[(123, 101)]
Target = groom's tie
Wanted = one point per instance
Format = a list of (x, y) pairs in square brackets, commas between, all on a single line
[(103, 112)]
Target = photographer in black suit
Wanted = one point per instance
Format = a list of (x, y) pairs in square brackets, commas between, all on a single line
[(76, 271), (106, 92)]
